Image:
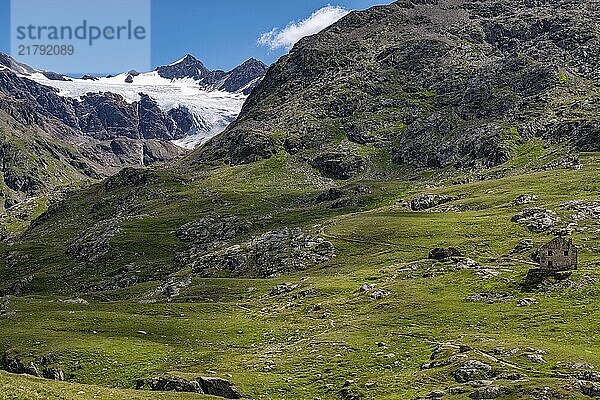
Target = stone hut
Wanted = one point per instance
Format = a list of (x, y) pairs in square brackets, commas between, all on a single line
[(557, 258), (558, 255)]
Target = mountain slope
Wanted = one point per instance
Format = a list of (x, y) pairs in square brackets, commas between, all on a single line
[(295, 285), (433, 83)]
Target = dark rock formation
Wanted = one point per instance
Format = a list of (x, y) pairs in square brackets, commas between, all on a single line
[(244, 77), (89, 78), (203, 385), (442, 253), (187, 67), (219, 387), (18, 364), (338, 165), (524, 245), (53, 76)]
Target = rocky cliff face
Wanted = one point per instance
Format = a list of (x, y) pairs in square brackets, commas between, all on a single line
[(49, 141), (433, 83)]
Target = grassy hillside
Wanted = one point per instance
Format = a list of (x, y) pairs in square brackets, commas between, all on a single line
[(308, 343)]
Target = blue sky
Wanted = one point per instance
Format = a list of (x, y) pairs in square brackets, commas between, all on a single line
[(222, 33)]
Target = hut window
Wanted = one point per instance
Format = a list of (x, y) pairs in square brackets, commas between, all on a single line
[(550, 253), (566, 253)]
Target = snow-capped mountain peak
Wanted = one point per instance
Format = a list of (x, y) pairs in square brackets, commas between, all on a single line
[(202, 101)]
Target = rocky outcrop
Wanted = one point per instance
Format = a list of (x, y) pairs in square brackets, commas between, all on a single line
[(339, 165), (213, 228), (17, 287), (441, 253), (427, 201), (472, 370), (523, 246), (525, 199), (536, 219), (264, 256), (219, 387), (94, 242), (171, 384), (489, 392), (203, 385), (17, 364)]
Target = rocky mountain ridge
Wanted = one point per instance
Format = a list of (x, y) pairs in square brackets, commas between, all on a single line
[(428, 84), (242, 78)]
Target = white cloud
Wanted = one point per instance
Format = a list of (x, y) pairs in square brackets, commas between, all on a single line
[(288, 36)]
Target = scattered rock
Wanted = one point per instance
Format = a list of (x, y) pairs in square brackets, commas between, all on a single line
[(436, 394), (510, 376), (567, 162), (442, 253), (172, 287), (489, 392), (588, 375), (75, 300), (535, 358), (367, 287), (526, 302), (525, 199), (379, 294), (283, 288), (536, 219), (489, 297), (473, 370), (524, 245), (348, 393), (426, 201), (579, 365)]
